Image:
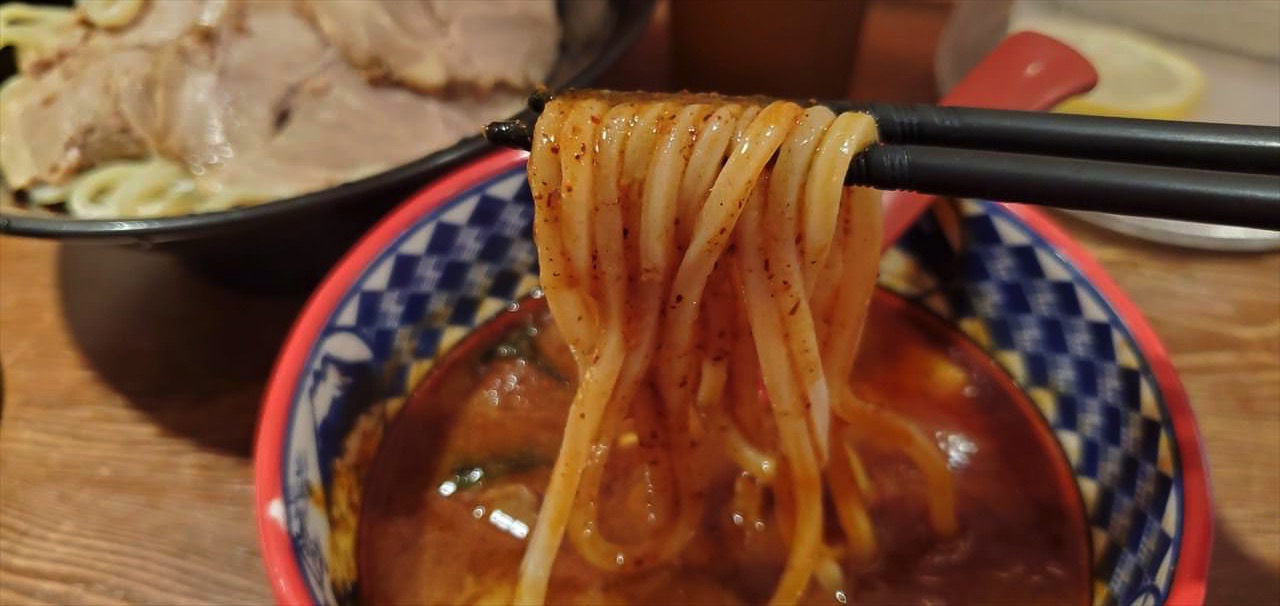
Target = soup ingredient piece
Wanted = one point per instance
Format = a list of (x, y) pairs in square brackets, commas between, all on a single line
[(508, 425), (541, 346), (512, 508), (469, 475), (1137, 77), (429, 44)]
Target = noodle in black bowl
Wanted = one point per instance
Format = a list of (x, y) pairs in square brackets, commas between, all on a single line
[(288, 244), (432, 323)]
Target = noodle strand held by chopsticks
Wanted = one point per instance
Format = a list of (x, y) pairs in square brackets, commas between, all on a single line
[(694, 247)]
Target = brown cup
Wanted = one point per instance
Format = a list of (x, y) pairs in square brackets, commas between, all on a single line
[(781, 48)]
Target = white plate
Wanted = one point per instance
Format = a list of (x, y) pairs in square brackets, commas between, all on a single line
[(1242, 89)]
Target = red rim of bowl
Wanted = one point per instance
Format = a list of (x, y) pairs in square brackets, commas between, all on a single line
[(1191, 567)]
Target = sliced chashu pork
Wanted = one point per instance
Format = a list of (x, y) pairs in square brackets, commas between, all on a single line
[(339, 128), (90, 104), (212, 92), (240, 97), (226, 92), (428, 45), (71, 117)]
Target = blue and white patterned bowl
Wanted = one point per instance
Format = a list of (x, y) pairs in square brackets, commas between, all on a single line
[(461, 251)]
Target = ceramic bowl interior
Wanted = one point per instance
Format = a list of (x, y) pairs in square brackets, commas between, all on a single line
[(461, 251)]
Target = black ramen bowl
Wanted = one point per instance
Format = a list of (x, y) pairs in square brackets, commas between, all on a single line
[(288, 245)]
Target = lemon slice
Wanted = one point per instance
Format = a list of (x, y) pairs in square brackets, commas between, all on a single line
[(1137, 77)]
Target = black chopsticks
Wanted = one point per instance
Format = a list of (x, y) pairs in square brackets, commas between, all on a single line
[(1227, 198), (1215, 173), (1230, 147)]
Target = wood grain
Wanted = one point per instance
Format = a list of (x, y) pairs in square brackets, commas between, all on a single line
[(130, 390)]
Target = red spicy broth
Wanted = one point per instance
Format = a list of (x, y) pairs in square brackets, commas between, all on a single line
[(457, 484)]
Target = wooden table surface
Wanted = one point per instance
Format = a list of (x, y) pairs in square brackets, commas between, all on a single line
[(131, 388)]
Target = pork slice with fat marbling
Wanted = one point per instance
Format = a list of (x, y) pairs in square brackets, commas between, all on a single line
[(511, 42), (340, 129), (156, 85), (429, 45), (224, 93), (69, 118)]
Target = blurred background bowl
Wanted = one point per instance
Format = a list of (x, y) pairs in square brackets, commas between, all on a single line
[(288, 245)]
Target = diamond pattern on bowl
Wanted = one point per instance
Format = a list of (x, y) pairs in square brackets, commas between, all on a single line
[(1055, 335), (456, 268), (1009, 290)]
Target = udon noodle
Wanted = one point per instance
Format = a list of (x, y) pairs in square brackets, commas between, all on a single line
[(692, 249)]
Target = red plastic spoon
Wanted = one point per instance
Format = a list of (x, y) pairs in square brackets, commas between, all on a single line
[(1028, 71)]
